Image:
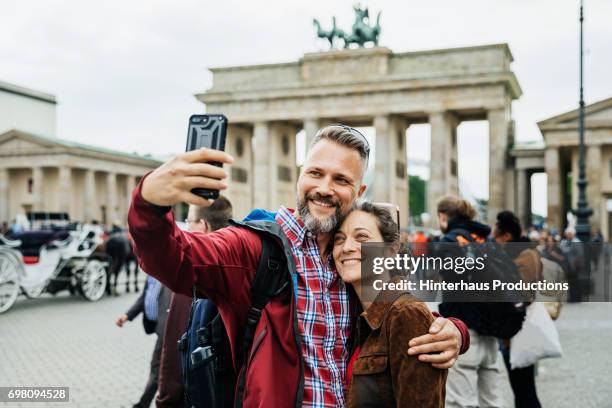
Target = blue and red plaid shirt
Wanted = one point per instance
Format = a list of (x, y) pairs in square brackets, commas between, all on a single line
[(323, 316)]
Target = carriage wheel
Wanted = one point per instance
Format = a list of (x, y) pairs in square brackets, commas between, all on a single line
[(9, 282), (93, 280)]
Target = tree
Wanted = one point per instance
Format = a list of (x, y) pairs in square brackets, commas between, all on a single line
[(416, 198)]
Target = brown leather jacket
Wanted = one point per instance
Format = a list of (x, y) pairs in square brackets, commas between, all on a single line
[(384, 375)]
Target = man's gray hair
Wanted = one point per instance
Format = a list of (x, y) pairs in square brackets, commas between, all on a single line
[(344, 137)]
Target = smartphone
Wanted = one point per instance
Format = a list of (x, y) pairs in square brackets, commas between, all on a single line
[(206, 131)]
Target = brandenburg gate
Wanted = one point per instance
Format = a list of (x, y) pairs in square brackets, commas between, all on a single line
[(268, 104)]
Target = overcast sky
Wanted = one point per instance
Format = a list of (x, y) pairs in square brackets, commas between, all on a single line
[(125, 72)]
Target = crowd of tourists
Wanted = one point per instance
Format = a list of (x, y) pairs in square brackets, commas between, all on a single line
[(285, 291)]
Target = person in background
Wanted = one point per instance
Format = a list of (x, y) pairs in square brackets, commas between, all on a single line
[(15, 228), (549, 249), (597, 241), (116, 227), (474, 380), (419, 243), (534, 235), (574, 255), (170, 384), (527, 260), (153, 304)]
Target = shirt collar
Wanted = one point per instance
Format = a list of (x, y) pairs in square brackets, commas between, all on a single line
[(292, 226)]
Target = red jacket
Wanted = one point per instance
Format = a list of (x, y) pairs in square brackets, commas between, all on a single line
[(170, 391), (222, 265)]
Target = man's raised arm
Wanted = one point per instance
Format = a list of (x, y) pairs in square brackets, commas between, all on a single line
[(179, 258)]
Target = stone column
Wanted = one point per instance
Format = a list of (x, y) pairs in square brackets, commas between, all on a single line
[(65, 188), (311, 127), (390, 179), (574, 176), (552, 165), (594, 169), (90, 201), (499, 122), (443, 163), (130, 185), (4, 195), (111, 198), (384, 159), (282, 143), (264, 165), (37, 189), (240, 180), (523, 197)]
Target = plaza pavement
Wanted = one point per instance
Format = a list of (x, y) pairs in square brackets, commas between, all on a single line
[(67, 341)]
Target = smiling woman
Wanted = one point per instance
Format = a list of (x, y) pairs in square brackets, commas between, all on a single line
[(380, 372)]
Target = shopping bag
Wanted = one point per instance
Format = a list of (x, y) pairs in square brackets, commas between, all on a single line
[(552, 272), (537, 339)]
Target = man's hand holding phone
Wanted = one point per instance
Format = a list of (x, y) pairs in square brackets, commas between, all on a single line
[(172, 182)]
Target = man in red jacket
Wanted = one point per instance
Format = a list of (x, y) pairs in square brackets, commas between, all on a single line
[(300, 348), (171, 393)]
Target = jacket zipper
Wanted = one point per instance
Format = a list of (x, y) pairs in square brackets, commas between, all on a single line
[(258, 340)]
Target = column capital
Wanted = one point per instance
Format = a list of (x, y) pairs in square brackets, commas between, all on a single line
[(440, 112), (502, 113), (382, 120)]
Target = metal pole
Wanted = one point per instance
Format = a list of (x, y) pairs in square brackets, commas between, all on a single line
[(583, 212)]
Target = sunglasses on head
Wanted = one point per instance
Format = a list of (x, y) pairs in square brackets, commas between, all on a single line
[(358, 135)]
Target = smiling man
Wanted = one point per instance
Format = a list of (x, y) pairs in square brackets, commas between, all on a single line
[(299, 355)]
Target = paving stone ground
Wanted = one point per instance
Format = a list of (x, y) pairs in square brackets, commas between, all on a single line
[(67, 341)]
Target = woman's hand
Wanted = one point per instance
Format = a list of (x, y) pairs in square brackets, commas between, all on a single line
[(444, 340)]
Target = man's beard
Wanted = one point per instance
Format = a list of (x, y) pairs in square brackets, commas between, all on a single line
[(314, 225)]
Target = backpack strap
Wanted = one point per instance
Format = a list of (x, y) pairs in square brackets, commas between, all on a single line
[(270, 280)]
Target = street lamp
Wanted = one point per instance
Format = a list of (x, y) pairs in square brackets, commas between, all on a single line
[(583, 212)]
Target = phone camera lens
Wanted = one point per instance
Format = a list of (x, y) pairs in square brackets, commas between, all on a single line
[(195, 120)]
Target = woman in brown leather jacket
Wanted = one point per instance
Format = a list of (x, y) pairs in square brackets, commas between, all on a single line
[(380, 372)]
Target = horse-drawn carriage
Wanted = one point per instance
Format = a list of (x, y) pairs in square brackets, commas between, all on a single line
[(52, 260)]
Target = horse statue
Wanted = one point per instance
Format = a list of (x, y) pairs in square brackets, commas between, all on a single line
[(328, 35), (362, 31)]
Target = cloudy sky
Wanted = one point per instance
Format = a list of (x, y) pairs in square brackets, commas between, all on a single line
[(125, 72)]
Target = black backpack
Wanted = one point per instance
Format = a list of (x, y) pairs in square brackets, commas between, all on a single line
[(499, 318), (209, 378)]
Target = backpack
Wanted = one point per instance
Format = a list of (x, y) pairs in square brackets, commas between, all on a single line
[(499, 318), (209, 378)]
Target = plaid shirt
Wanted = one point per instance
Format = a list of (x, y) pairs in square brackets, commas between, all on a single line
[(323, 317)]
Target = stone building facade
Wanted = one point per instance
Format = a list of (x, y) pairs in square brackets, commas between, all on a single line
[(268, 104), (53, 175), (558, 158)]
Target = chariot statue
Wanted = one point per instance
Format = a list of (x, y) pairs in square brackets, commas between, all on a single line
[(362, 30)]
